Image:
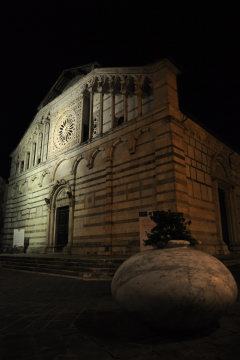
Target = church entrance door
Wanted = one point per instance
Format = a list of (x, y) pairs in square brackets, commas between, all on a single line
[(62, 217)]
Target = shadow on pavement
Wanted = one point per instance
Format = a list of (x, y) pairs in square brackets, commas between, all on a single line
[(119, 326)]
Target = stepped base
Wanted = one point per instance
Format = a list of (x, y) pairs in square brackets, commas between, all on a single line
[(81, 267), (84, 268)]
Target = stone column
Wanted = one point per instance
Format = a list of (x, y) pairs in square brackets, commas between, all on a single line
[(91, 113), (124, 85), (139, 81), (36, 152), (100, 125), (47, 122), (81, 99), (25, 161), (113, 110), (31, 154), (112, 92), (100, 91), (20, 165), (43, 141)]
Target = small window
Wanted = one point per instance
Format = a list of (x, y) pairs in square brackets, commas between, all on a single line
[(22, 166)]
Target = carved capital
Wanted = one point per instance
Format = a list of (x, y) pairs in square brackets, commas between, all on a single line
[(138, 83), (124, 81)]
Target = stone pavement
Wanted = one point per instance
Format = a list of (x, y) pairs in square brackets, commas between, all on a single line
[(55, 318)]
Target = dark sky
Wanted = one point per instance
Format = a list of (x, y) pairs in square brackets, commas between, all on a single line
[(40, 40)]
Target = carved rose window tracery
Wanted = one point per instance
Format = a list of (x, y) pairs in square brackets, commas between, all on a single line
[(65, 131)]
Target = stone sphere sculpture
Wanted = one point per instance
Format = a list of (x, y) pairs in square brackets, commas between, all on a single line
[(174, 288)]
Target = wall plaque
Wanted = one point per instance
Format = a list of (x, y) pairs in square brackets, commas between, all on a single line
[(18, 238)]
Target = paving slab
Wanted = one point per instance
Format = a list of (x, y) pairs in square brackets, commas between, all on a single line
[(53, 317)]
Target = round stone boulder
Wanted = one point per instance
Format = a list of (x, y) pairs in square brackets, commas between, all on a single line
[(174, 288)]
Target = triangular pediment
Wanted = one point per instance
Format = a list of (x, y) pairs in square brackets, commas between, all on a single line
[(67, 78)]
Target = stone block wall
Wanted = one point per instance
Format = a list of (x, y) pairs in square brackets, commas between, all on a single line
[(203, 153), (26, 208), (154, 159)]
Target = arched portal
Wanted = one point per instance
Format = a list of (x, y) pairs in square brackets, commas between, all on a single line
[(60, 227)]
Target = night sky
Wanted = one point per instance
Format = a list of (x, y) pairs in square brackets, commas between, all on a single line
[(40, 40)]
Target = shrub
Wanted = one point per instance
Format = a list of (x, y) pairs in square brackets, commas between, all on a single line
[(169, 226)]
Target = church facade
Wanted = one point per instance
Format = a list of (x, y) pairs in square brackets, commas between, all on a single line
[(108, 144)]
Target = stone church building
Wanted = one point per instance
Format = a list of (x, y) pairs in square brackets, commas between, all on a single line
[(107, 144)]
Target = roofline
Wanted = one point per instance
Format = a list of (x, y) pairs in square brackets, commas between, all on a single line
[(84, 70), (210, 131)]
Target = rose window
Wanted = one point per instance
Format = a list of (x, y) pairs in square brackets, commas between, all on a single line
[(65, 131)]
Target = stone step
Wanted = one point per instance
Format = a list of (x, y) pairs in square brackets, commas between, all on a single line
[(97, 262), (36, 268), (84, 275), (61, 264), (76, 268), (87, 269)]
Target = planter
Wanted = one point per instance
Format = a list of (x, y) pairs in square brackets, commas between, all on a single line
[(174, 288)]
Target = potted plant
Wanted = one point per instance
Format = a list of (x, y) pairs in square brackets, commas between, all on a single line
[(174, 286), (169, 226)]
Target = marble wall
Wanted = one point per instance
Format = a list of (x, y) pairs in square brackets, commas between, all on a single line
[(111, 145)]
